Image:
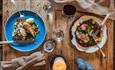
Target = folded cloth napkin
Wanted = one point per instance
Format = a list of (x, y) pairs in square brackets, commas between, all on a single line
[(24, 62), (94, 6)]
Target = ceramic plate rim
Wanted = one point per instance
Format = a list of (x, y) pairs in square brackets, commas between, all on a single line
[(5, 30)]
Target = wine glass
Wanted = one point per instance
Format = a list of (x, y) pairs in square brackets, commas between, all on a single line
[(69, 10)]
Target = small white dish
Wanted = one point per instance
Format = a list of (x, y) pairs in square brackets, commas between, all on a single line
[(49, 46)]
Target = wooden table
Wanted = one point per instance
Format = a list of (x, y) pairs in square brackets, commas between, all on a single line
[(64, 47)]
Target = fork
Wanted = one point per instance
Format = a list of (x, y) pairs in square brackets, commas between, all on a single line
[(97, 31), (95, 37), (13, 2)]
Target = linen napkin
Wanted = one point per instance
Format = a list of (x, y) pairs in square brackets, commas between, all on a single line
[(24, 62)]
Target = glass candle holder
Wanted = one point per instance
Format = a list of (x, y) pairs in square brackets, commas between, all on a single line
[(59, 64)]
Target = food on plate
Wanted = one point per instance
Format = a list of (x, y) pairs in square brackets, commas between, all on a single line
[(84, 31), (25, 29)]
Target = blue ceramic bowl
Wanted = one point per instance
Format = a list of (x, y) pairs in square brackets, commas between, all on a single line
[(9, 27)]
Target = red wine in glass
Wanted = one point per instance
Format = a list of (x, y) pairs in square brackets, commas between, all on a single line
[(69, 10)]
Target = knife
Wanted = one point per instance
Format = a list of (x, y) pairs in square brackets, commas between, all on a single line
[(101, 25), (97, 31)]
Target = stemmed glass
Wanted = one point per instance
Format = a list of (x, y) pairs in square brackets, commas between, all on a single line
[(69, 11)]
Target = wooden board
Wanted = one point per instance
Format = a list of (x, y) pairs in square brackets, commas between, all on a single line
[(64, 47)]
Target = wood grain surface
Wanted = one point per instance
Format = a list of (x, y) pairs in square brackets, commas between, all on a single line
[(65, 47)]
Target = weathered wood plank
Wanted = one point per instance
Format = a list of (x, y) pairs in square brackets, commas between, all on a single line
[(64, 47)]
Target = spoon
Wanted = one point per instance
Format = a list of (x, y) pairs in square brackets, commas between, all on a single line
[(13, 2)]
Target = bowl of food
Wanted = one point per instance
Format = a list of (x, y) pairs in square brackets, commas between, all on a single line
[(82, 30), (29, 28)]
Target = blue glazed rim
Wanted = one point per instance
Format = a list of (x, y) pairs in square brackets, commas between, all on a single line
[(41, 21)]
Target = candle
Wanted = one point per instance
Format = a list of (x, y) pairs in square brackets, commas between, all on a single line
[(59, 64)]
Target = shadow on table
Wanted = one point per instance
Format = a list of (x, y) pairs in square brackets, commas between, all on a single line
[(0, 36), (0, 28)]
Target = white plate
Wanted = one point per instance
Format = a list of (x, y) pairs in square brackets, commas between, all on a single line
[(90, 49)]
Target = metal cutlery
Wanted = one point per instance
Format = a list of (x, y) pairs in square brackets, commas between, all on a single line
[(103, 54), (14, 3), (97, 31), (102, 24), (17, 41)]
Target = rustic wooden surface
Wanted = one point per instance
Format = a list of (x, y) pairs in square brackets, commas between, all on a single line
[(64, 47)]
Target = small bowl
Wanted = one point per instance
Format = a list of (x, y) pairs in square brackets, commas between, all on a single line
[(49, 45)]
